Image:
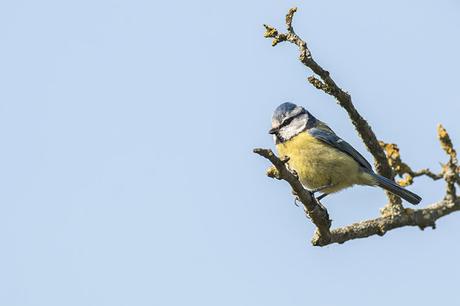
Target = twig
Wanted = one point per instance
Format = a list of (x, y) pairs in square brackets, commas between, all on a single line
[(402, 169), (315, 211), (450, 170)]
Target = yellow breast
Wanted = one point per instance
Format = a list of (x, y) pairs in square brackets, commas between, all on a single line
[(318, 164)]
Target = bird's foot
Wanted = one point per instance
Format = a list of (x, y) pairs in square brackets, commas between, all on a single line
[(322, 196), (319, 189), (319, 203)]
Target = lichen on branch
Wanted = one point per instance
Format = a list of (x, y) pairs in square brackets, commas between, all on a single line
[(402, 169)]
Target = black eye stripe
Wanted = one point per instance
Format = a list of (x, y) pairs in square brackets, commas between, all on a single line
[(287, 121)]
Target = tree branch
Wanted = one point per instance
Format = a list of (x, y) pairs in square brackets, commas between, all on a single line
[(317, 212), (425, 217), (393, 215), (402, 169), (422, 218), (329, 86), (450, 170)]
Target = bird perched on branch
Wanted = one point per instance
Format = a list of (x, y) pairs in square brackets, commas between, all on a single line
[(322, 160)]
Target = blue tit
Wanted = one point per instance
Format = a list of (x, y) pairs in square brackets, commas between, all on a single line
[(322, 160)]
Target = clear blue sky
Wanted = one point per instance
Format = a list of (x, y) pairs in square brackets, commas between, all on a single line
[(126, 166)]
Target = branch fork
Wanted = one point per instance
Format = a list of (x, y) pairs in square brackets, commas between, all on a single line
[(387, 162)]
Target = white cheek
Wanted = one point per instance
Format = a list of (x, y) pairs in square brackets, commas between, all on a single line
[(288, 132), (296, 127)]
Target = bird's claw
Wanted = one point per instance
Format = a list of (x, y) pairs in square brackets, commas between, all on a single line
[(312, 192), (296, 198)]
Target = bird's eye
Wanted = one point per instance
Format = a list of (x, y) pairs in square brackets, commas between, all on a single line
[(287, 121)]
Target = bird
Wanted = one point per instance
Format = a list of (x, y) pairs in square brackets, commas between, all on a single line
[(322, 160)]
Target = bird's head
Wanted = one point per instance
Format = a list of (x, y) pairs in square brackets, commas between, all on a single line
[(289, 120)]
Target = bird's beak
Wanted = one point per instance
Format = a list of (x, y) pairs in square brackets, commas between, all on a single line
[(273, 130)]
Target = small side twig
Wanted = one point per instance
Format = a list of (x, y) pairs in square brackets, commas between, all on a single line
[(450, 170), (402, 169)]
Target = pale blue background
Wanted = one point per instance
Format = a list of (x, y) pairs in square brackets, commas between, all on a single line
[(127, 176)]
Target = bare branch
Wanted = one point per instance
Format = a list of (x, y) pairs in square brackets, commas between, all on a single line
[(329, 86), (402, 169), (393, 215), (313, 208), (422, 218), (425, 217), (450, 170)]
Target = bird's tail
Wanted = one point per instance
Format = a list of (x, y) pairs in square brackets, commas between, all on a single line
[(394, 188)]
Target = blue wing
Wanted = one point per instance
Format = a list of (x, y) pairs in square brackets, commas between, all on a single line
[(328, 136)]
